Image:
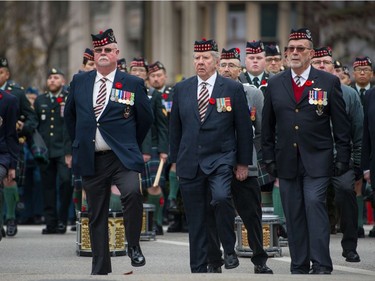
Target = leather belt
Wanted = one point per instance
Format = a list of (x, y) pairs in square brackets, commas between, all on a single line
[(102, 152)]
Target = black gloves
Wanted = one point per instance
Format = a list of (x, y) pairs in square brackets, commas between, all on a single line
[(271, 168), (340, 168)]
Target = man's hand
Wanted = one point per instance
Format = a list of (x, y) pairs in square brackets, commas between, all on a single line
[(163, 156), (11, 175), (241, 172), (366, 176), (68, 160), (19, 126), (340, 168), (271, 168), (146, 157)]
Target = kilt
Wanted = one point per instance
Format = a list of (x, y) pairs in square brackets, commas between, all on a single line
[(149, 171)]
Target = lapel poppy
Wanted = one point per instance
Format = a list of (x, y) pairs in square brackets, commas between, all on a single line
[(212, 101), (309, 83), (264, 82), (118, 85), (164, 96), (59, 99)]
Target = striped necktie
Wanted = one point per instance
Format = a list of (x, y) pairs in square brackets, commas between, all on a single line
[(100, 100), (203, 101), (297, 79), (256, 82)]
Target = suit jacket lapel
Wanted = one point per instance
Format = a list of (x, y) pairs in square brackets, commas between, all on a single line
[(216, 91), (312, 77), (192, 92), (287, 82), (90, 81)]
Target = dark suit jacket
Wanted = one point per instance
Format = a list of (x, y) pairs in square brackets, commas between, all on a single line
[(223, 138), (26, 112), (9, 146), (123, 135), (52, 124), (368, 139), (158, 135), (298, 128)]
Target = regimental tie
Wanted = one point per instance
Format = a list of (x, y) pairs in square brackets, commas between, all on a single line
[(203, 101), (362, 94), (100, 100), (256, 82), (297, 79)]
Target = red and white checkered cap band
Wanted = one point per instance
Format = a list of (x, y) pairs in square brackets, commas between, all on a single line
[(88, 56), (299, 35), (153, 68), (230, 55), (137, 63), (322, 53), (203, 48), (361, 63), (100, 43), (254, 50)]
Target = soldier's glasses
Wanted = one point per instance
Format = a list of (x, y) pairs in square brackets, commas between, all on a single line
[(106, 50), (319, 62), (230, 65), (299, 49), (365, 70)]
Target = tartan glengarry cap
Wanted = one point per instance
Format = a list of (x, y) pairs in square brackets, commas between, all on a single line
[(103, 38), (302, 33), (4, 62), (322, 52), (88, 54), (362, 61), (121, 63), (205, 45), (233, 53), (254, 47), (272, 50), (155, 67), (140, 62), (55, 71)]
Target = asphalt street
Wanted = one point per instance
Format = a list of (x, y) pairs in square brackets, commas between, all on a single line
[(32, 256)]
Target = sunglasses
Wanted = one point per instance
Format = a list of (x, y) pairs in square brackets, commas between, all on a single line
[(299, 49), (106, 50)]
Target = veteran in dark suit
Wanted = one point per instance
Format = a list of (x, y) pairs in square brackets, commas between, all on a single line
[(108, 116), (368, 140), (210, 135), (9, 146), (300, 105)]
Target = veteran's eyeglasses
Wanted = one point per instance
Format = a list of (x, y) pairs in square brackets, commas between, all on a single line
[(300, 49), (106, 50)]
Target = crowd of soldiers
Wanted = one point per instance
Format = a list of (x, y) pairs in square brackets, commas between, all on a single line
[(47, 187)]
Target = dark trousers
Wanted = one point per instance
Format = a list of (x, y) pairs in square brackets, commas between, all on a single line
[(109, 170), (304, 202), (53, 174), (195, 197), (247, 201), (346, 203)]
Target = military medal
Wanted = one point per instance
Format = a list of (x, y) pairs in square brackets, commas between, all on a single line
[(320, 98), (127, 112), (252, 113), (219, 105), (325, 99), (228, 105), (311, 97), (131, 102), (113, 94), (62, 106)]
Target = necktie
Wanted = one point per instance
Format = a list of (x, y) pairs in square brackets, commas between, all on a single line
[(256, 82), (362, 94), (203, 101), (297, 79), (100, 100)]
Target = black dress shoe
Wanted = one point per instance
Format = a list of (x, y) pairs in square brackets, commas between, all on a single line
[(231, 261), (136, 256), (49, 230), (262, 269), (372, 232), (172, 206), (11, 227), (213, 269), (281, 231), (158, 230), (320, 271), (61, 228), (351, 256), (3, 234)]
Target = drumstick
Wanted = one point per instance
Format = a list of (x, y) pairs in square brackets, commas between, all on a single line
[(158, 173)]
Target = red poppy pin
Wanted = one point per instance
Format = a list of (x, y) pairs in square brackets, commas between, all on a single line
[(309, 83), (264, 82), (1, 96), (212, 101), (59, 100), (118, 85), (164, 96)]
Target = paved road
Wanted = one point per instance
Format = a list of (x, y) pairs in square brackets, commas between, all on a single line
[(31, 256)]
